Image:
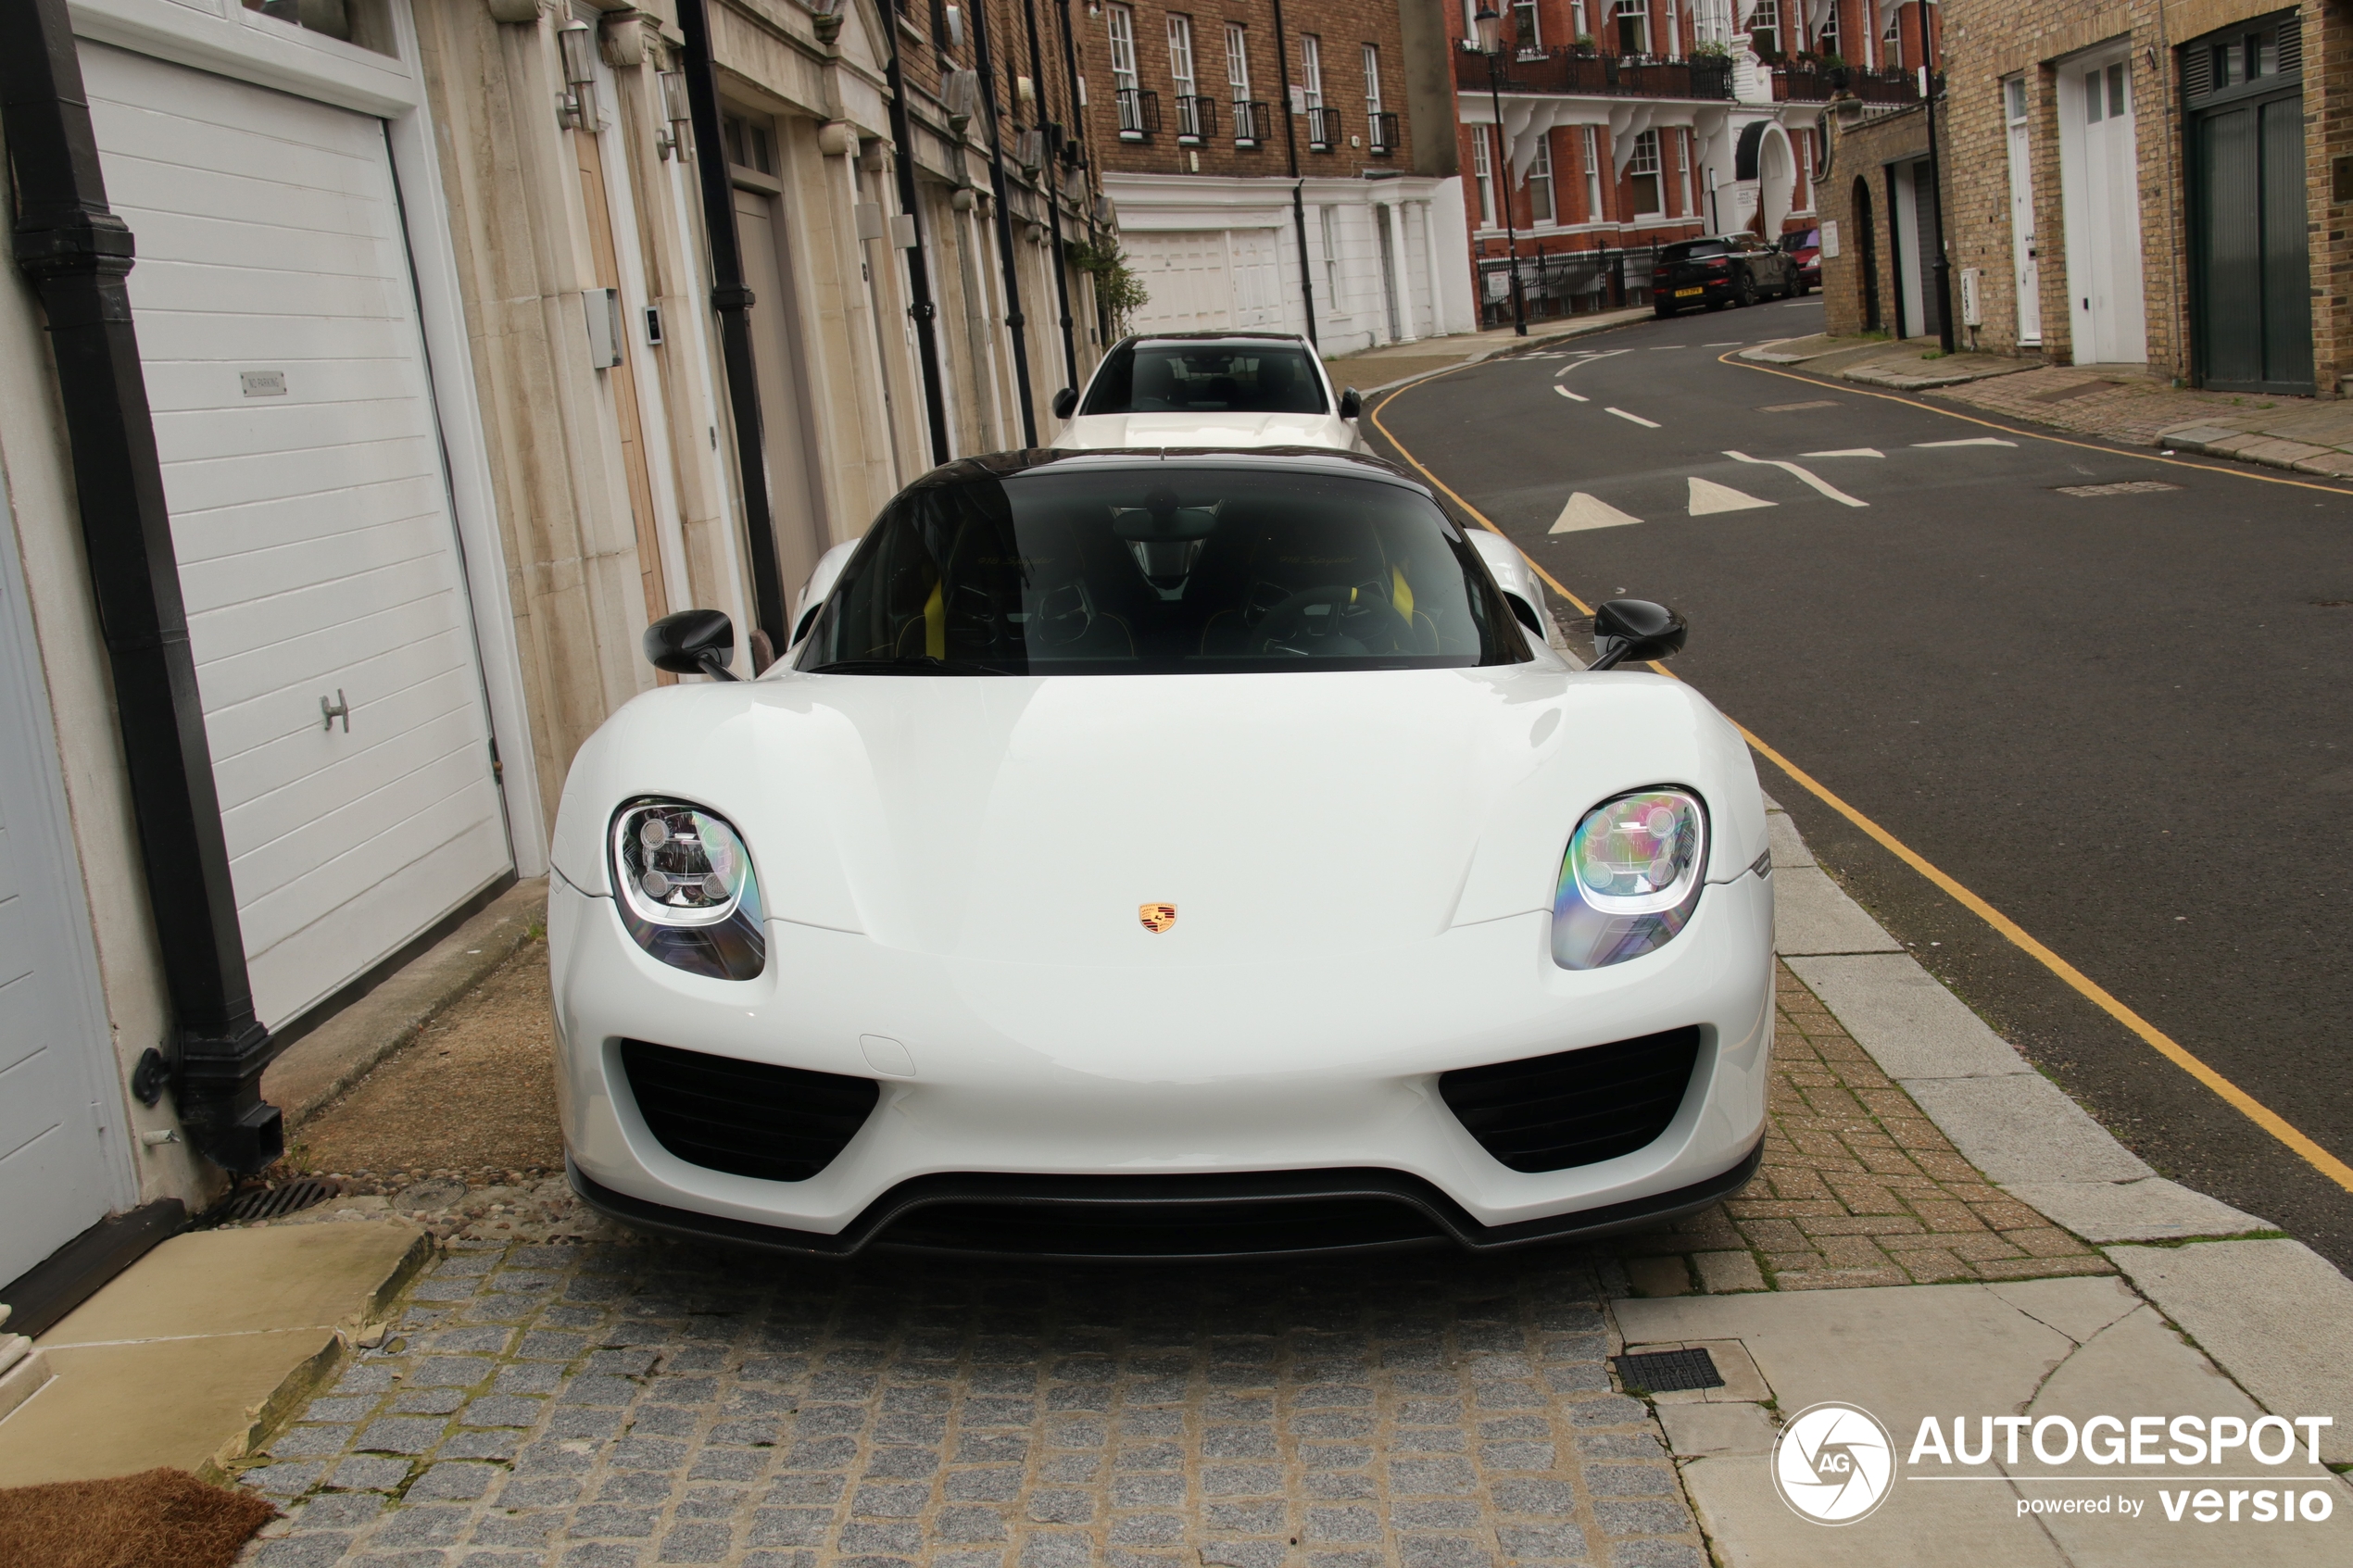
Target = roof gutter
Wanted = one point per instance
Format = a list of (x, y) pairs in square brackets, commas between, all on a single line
[(77, 252)]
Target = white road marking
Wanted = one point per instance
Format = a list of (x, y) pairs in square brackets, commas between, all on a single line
[(1658, 348), (1817, 481), (1585, 511), (1972, 441), (1847, 452), (1709, 496), (1646, 424), (1728, 343), (1587, 357), (1572, 396)]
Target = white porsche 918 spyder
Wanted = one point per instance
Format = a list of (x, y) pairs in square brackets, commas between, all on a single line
[(1163, 854)]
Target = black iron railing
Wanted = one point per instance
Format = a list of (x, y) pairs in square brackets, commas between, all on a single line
[(1323, 129), (1139, 113), (1614, 76), (1381, 133), (1253, 125), (1196, 121)]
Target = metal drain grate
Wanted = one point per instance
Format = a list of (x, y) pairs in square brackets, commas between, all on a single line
[(1664, 1371), (2128, 487), (291, 1199)]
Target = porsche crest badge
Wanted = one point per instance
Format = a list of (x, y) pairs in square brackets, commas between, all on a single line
[(1157, 918)]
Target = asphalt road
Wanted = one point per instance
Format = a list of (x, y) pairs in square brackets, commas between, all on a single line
[(2120, 718)]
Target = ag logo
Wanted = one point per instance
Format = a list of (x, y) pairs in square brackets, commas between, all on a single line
[(1833, 1464), (1157, 918)]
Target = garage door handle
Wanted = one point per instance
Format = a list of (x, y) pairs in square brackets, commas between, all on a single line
[(330, 711)]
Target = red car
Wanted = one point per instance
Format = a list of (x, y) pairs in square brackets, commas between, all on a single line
[(1805, 247)]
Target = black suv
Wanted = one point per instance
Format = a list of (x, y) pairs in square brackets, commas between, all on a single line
[(1720, 270)]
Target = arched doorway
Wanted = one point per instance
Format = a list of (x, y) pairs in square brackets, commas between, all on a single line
[(1776, 180), (1867, 252)]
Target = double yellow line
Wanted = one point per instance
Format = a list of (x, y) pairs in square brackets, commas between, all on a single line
[(2254, 1110)]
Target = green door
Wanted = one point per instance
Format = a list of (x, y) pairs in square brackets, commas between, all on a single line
[(2251, 306)]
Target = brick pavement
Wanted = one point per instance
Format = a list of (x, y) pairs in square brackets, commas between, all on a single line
[(638, 1403), (2135, 408)]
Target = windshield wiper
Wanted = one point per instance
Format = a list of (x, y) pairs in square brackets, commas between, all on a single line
[(912, 664)]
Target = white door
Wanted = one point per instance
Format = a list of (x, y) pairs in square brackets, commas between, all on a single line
[(63, 1165), (2026, 270), (1258, 277), (1187, 282), (2100, 187), (310, 514)]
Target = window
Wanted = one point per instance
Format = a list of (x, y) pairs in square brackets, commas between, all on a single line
[(1674, 36), (1238, 61), (1372, 79), (1642, 169), (1683, 168), (1484, 175), (1530, 31), (1634, 27), (1765, 27), (1181, 53), (1144, 568), (1539, 181), (2014, 99), (1712, 21), (1826, 39), (1892, 42), (1311, 70), (749, 145), (1122, 24), (1593, 211)]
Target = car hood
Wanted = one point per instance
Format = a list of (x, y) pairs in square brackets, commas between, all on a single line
[(1027, 820), (1103, 431)]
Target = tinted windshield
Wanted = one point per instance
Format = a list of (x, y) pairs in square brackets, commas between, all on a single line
[(1691, 249), (1162, 570), (1246, 376)]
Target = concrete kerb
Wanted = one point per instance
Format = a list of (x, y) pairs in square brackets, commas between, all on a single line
[(2264, 1312)]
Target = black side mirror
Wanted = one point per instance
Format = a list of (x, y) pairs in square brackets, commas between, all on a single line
[(1351, 405), (1066, 402), (1635, 629), (693, 642)]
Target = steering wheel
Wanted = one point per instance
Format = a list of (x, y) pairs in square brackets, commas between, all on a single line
[(1369, 622)]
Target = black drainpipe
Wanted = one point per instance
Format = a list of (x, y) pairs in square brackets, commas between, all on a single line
[(1297, 206), (1013, 318), (918, 276), (1047, 177), (78, 253), (733, 302)]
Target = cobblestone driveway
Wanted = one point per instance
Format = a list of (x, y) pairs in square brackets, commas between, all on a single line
[(622, 1403)]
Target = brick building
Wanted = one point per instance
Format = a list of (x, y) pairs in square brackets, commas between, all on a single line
[(1610, 127), (1262, 153), (2146, 182)]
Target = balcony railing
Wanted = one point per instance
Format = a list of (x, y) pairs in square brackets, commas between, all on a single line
[(1380, 133), (1139, 113), (1252, 124), (1323, 129), (1196, 121), (1878, 86), (1607, 76), (1805, 83)]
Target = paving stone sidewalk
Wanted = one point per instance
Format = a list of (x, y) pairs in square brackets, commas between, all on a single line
[(624, 1403)]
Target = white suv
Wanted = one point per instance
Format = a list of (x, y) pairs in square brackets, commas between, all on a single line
[(1208, 389)]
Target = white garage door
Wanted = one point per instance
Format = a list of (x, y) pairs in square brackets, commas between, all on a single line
[(277, 324), (59, 1173), (1187, 282), (1258, 278)]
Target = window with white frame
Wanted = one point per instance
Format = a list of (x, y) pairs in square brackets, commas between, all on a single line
[(1372, 82), (1483, 174), (1311, 69), (1238, 61), (1683, 168), (1592, 150), (1674, 40), (1712, 21), (1765, 27), (1891, 42), (1826, 36), (1181, 53), (1531, 30), (1539, 181), (1121, 21), (1634, 27), (1642, 167)]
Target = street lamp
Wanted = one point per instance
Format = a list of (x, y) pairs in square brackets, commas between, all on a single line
[(1491, 44)]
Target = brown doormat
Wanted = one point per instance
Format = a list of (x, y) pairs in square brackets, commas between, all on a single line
[(156, 1519)]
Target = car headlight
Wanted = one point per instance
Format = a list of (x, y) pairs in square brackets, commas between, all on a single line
[(1630, 879), (684, 884)]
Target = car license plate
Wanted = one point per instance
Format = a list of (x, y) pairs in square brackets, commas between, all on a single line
[(1686, 294)]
